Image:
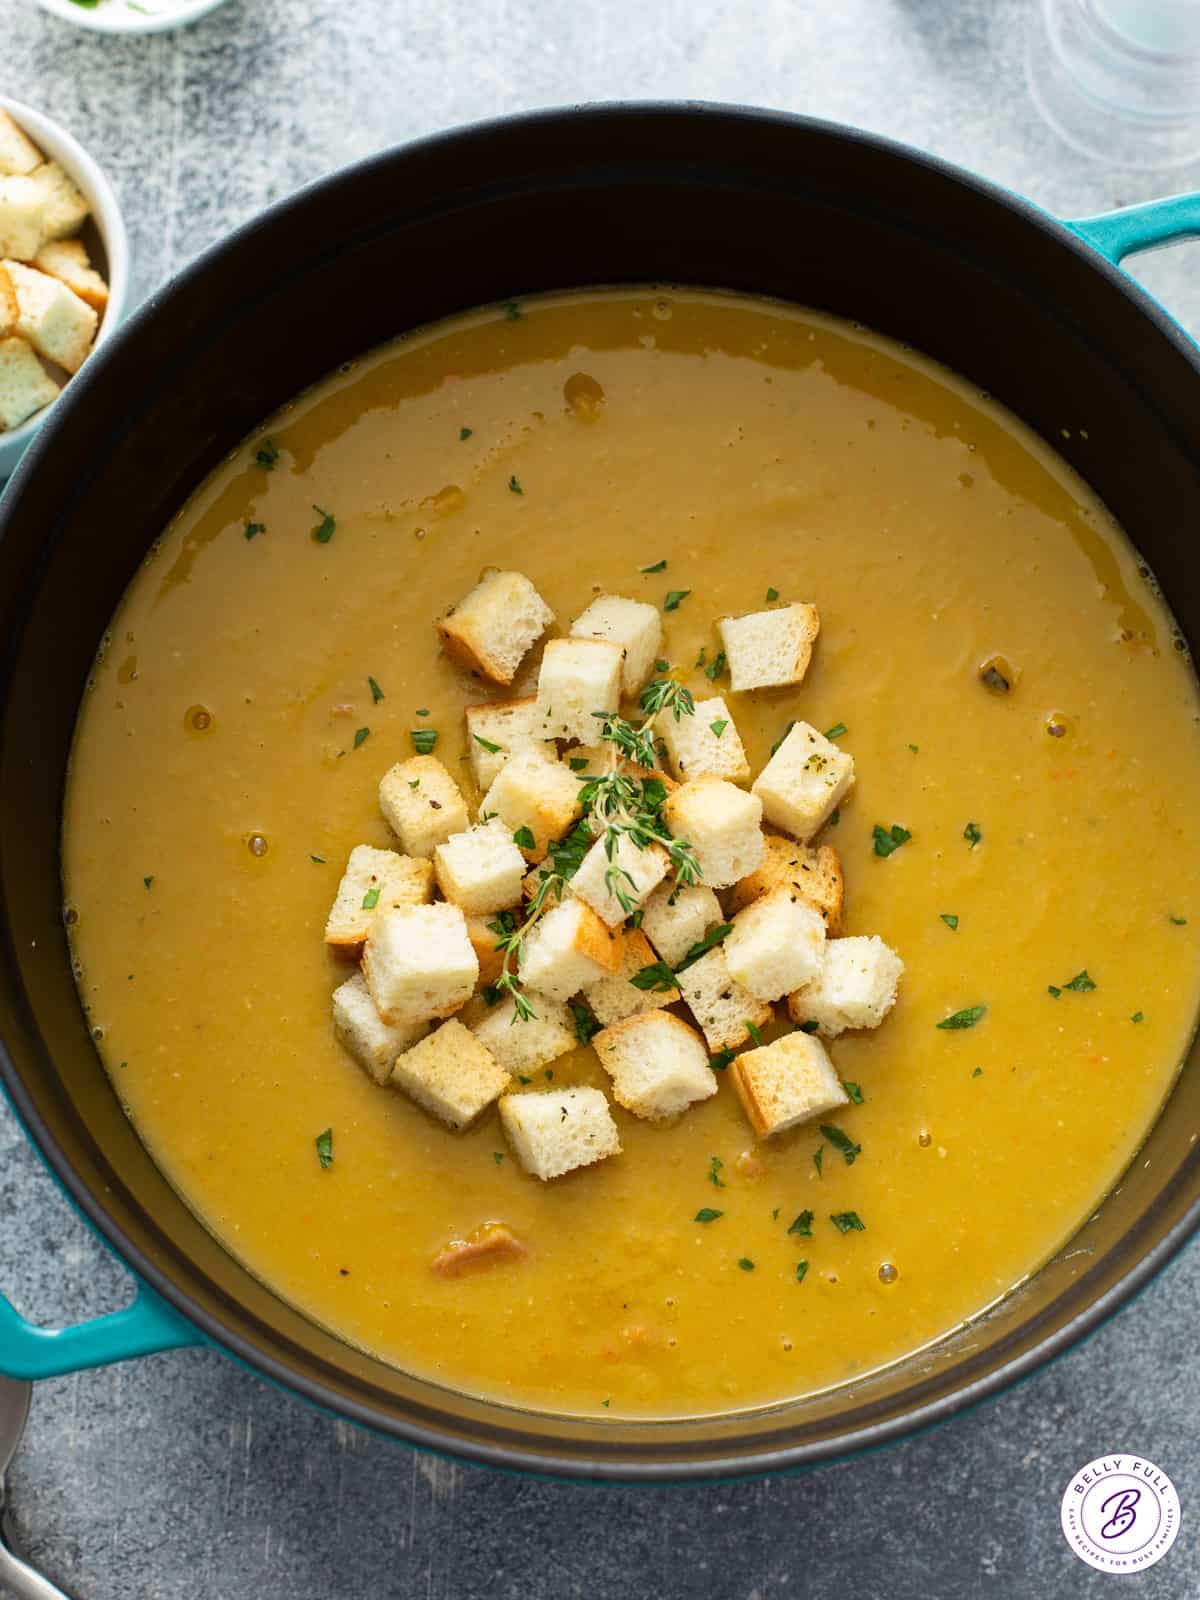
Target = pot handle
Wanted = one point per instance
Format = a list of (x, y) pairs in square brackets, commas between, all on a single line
[(139, 1329), (1117, 234)]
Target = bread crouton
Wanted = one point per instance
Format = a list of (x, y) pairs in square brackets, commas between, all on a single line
[(524, 1048), (568, 948), (64, 210), (578, 678), (706, 744), (492, 1244), (509, 725), (675, 919), (723, 825), (422, 804), (632, 624), (787, 1082), (615, 997), (419, 963), (480, 870), (372, 1042), (855, 987), (775, 944), (658, 1065), (450, 1073), (22, 214), (616, 885), (531, 791), (25, 385), (803, 782), (815, 874), (10, 310), (374, 881), (533, 879), (491, 630), (483, 941), (67, 260), (57, 323), (19, 156), (553, 1133), (768, 649), (724, 1010)]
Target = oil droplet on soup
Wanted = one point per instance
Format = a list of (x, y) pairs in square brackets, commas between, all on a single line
[(753, 448)]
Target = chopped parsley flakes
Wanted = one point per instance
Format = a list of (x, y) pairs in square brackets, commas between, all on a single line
[(370, 900), (707, 1214), (703, 946), (514, 484), (423, 740), (657, 978), (675, 599), (847, 1221), (951, 921), (836, 732), (842, 1143), (1081, 983), (361, 735), (889, 839), (803, 1225), (324, 1144), (966, 1018), (972, 834), (745, 1263), (253, 529), (376, 692), (325, 529), (267, 455), (486, 744), (659, 566), (714, 1172)]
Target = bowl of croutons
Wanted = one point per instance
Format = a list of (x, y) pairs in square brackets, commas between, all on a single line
[(63, 268)]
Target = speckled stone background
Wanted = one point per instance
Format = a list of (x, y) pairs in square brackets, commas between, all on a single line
[(180, 1476)]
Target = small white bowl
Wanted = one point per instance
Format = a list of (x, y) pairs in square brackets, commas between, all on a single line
[(58, 145), (131, 16)]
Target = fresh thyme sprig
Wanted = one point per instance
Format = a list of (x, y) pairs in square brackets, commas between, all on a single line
[(615, 804), (511, 935)]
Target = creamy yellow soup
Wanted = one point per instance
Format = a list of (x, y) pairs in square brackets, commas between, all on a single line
[(217, 788)]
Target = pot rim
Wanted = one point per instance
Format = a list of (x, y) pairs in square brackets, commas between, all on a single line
[(276, 1369)]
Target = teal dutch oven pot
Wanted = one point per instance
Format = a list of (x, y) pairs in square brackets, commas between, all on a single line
[(1034, 310)]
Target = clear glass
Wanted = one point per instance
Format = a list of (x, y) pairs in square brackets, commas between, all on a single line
[(1119, 79)]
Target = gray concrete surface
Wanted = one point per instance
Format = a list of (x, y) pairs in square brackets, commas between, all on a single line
[(181, 1476)]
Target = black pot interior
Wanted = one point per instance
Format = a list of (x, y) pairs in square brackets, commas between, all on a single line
[(676, 195)]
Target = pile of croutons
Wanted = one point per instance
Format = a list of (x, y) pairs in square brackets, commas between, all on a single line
[(51, 298), (553, 928)]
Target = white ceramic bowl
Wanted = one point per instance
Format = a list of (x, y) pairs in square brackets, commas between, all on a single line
[(58, 145), (122, 16)]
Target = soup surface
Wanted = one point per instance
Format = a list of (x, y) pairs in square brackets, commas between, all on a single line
[(582, 439)]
